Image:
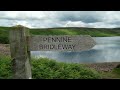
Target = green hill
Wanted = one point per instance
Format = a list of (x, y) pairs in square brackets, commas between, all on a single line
[(94, 32)]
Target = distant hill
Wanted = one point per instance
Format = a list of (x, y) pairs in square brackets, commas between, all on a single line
[(94, 32)]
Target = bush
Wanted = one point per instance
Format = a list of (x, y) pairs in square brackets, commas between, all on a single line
[(50, 69), (44, 68)]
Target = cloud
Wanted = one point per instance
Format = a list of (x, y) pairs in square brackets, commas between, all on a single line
[(45, 19), (75, 24), (84, 16)]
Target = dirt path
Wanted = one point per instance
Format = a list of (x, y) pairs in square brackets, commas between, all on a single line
[(106, 67), (5, 49)]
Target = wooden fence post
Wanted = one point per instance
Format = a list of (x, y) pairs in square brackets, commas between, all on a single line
[(19, 52)]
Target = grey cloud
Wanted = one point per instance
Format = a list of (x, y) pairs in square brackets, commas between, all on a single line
[(21, 18), (5, 22), (45, 19), (84, 16)]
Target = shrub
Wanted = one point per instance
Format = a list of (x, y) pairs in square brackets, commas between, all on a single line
[(45, 68), (50, 69)]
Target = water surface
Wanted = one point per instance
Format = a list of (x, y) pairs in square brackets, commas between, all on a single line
[(107, 49)]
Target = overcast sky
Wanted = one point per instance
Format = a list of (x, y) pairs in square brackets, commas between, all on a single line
[(48, 19)]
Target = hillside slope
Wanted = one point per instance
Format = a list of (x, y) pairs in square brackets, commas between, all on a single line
[(94, 32)]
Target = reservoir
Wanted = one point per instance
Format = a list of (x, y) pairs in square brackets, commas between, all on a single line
[(107, 49)]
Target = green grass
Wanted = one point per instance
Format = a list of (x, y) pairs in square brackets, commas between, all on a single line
[(44, 68), (94, 32), (5, 67)]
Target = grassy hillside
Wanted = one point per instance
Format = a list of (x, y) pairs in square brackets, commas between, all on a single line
[(94, 32), (4, 34)]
